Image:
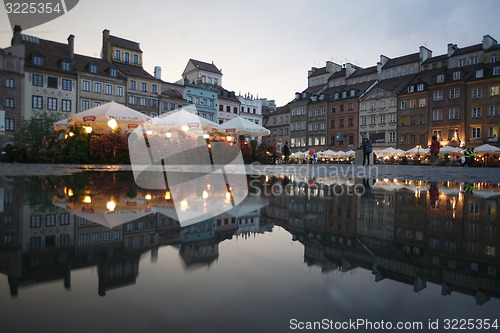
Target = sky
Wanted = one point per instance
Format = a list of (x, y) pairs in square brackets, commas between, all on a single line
[(265, 48)]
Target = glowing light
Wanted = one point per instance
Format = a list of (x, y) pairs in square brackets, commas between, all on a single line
[(206, 136), (228, 195), (112, 123), (205, 195), (88, 129), (229, 138), (209, 186), (185, 128), (168, 135), (87, 199), (71, 134), (184, 203), (148, 197), (70, 192), (149, 132), (167, 195), (111, 205)]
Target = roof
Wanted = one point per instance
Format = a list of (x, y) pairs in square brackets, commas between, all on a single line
[(172, 94), (81, 63), (468, 49), (134, 71), (282, 109), (438, 58), (205, 66), (403, 60), (359, 89), (124, 43), (395, 85), (52, 52), (364, 71), (319, 71)]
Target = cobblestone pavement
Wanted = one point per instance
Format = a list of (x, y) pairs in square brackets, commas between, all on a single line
[(400, 172)]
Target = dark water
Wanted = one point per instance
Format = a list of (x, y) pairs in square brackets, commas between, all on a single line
[(297, 252)]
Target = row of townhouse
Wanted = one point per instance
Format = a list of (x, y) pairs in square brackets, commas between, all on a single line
[(38, 75), (400, 102)]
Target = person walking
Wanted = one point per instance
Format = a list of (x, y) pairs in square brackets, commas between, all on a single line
[(286, 151), (367, 150), (435, 147), (278, 152)]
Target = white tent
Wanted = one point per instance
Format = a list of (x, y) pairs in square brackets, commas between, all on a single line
[(417, 150), (450, 150), (487, 149), (104, 117), (241, 126)]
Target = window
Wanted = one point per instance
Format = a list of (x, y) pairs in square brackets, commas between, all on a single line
[(86, 85), (126, 57), (493, 111), (10, 102), (496, 70), (404, 121), (494, 90), (132, 85), (142, 101), (35, 221), (392, 118), (476, 132), (37, 102), (50, 220), (454, 93), (52, 104), (37, 80), (10, 124), (456, 75), (403, 105), (52, 82), (64, 219), (154, 88), (476, 112), (350, 122), (113, 72), (109, 89), (9, 83), (438, 95), (66, 105), (93, 68), (411, 88), (477, 93), (136, 59), (144, 87), (105, 236), (97, 87), (462, 62), (453, 113), (96, 104), (437, 115), (493, 58), (67, 85), (119, 91), (420, 87), (479, 73), (382, 119), (473, 60), (154, 102), (439, 134), (440, 78), (85, 105), (341, 123), (422, 102), (392, 136), (372, 120), (118, 55), (37, 60)]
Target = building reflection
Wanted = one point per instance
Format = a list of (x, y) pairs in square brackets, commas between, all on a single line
[(414, 232)]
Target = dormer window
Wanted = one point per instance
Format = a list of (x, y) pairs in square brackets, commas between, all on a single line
[(456, 75), (337, 95), (344, 94), (37, 60), (113, 72), (410, 89), (352, 93), (420, 87), (440, 78), (479, 73), (93, 68), (65, 65)]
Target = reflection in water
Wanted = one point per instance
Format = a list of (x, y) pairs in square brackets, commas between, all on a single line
[(413, 232)]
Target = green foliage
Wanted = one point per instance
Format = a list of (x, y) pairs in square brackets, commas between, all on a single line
[(36, 140)]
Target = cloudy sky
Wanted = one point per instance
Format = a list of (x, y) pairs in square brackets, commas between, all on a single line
[(266, 47)]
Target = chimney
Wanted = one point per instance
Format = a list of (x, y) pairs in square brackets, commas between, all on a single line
[(425, 54), (349, 69), (157, 72), (451, 49), (105, 37), (16, 37), (488, 42), (71, 45)]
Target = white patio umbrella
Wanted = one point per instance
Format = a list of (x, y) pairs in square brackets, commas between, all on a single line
[(105, 116), (417, 150), (450, 150), (328, 153), (181, 120), (389, 151), (241, 126), (487, 149)]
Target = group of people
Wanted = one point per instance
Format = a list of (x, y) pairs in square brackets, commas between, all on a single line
[(282, 153)]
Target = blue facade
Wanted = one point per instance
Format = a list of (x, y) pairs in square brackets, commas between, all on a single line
[(205, 99)]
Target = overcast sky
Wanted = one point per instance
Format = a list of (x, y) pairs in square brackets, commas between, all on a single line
[(266, 47)]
